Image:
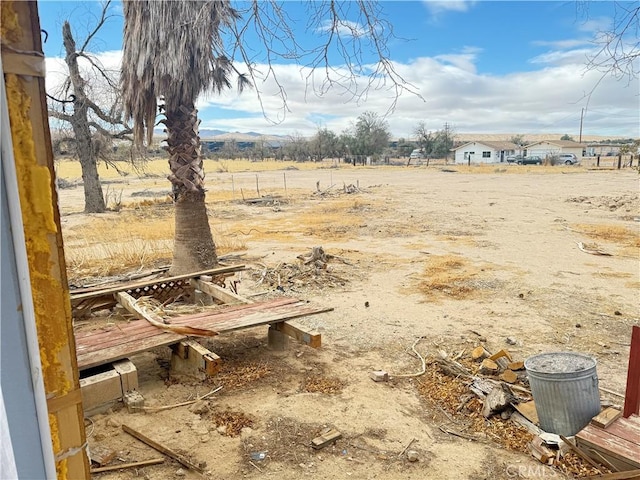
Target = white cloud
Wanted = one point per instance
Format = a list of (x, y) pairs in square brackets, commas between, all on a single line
[(562, 44), (548, 99), (343, 28), (439, 6)]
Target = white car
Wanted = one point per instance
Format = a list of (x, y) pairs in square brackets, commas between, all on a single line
[(416, 154), (568, 158)]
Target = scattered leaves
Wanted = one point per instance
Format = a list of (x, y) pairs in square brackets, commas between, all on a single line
[(233, 422)]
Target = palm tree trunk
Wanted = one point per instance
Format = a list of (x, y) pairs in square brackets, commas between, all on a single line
[(193, 249)]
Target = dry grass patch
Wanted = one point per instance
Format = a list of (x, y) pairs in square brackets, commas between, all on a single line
[(334, 219), (453, 276), (611, 233), (132, 239)]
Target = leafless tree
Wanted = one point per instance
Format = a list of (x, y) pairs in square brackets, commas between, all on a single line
[(88, 101)]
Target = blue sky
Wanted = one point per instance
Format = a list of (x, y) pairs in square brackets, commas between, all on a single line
[(481, 66)]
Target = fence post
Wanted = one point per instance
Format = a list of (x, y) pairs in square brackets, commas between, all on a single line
[(598, 161), (619, 161)]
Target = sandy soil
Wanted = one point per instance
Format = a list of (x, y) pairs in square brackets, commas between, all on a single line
[(516, 231)]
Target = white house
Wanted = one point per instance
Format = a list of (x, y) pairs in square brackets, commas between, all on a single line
[(484, 152), (550, 148)]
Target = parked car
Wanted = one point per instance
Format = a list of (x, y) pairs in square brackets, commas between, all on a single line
[(416, 154), (568, 158), (514, 158), (532, 160)]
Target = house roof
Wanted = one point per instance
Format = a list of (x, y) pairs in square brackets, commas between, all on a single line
[(559, 143), (491, 144)]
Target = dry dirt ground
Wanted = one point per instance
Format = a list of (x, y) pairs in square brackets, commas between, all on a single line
[(458, 257)]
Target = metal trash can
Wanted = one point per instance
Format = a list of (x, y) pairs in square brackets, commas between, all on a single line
[(565, 390)]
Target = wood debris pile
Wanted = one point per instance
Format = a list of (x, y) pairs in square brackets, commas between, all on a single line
[(231, 422), (313, 270), (485, 397), (331, 191), (322, 385)]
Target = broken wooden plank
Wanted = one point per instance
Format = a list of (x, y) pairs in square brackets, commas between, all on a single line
[(500, 354), (219, 293), (143, 463), (162, 449), (325, 439), (300, 332), (518, 418), (80, 294), (130, 303), (528, 410), (100, 454), (540, 452), (606, 417), (581, 453)]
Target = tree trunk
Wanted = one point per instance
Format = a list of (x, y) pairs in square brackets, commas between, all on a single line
[(193, 248), (93, 196)]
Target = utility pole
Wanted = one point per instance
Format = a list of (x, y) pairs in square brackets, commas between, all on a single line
[(446, 141), (581, 118)]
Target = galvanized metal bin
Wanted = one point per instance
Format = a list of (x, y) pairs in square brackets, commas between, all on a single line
[(565, 390)]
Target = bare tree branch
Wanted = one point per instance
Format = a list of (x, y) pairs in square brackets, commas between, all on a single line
[(619, 50), (60, 115), (103, 18)]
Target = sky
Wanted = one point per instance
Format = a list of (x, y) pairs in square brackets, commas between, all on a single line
[(478, 66)]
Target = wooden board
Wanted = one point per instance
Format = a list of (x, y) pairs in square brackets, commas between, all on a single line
[(300, 332), (528, 410), (100, 347), (620, 441), (606, 417)]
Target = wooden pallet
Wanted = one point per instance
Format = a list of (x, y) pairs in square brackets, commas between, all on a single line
[(619, 443), (167, 289), (121, 341)]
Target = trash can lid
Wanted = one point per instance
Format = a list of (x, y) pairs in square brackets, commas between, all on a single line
[(559, 362)]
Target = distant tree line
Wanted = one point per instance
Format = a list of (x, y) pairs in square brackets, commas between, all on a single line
[(367, 139)]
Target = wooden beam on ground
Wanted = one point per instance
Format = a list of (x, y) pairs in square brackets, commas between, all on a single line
[(192, 359), (299, 332), (219, 293), (632, 395), (162, 449), (143, 463)]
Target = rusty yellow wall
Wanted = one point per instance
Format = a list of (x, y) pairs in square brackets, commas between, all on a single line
[(34, 166)]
